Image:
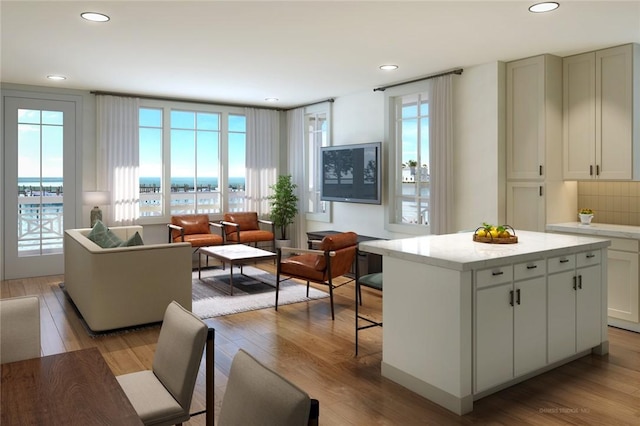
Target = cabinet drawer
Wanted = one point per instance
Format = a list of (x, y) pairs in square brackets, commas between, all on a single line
[(588, 258), (561, 263), (623, 244), (493, 276), (530, 269)]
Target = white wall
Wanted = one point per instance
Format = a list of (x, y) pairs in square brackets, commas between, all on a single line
[(479, 146), (478, 152)]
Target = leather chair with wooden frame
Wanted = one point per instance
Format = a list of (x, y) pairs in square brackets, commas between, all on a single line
[(333, 258), (195, 229), (245, 228)]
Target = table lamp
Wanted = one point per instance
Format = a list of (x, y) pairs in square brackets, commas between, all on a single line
[(96, 199)]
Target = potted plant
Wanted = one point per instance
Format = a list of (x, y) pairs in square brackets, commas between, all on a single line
[(284, 204), (585, 216)]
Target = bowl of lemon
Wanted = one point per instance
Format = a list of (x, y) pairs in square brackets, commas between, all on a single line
[(488, 233)]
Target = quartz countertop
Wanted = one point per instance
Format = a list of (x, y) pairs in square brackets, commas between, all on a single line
[(599, 229), (460, 252)]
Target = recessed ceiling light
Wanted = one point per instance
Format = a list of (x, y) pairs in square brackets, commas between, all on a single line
[(56, 77), (271, 99), (388, 67), (547, 6), (95, 16)]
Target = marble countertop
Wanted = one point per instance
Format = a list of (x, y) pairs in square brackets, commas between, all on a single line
[(599, 229), (460, 252)]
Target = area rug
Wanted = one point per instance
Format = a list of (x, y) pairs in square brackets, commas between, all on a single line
[(211, 296)]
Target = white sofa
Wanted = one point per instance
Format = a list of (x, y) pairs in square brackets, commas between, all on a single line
[(125, 286)]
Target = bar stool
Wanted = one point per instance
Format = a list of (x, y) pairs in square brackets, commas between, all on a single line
[(374, 281)]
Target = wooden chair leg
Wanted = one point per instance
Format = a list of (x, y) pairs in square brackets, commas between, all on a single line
[(209, 377)]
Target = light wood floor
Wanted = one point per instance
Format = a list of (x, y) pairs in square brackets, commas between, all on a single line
[(301, 342)]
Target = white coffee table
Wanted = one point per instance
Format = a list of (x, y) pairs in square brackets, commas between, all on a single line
[(234, 254)]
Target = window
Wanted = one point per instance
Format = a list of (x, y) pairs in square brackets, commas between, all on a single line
[(317, 133), (191, 160), (411, 191), (316, 136), (40, 182)]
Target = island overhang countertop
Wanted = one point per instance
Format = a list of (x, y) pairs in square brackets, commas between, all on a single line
[(459, 251)]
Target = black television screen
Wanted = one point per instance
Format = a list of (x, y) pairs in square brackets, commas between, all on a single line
[(352, 173)]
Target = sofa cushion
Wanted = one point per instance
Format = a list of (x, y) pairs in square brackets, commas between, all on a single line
[(135, 240), (102, 236)]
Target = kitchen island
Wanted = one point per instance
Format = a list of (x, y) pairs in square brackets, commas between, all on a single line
[(464, 319)]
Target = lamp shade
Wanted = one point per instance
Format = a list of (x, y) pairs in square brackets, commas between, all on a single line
[(96, 198)]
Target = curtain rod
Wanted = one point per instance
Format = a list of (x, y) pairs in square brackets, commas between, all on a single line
[(193, 101), (383, 88), (331, 100)]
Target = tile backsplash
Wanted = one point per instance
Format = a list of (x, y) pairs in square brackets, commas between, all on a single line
[(613, 202)]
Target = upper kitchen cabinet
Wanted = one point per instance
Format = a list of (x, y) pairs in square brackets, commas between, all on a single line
[(601, 137), (534, 118)]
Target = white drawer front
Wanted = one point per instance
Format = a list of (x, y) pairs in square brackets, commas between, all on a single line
[(530, 269), (561, 263), (623, 244), (588, 258), (493, 276)]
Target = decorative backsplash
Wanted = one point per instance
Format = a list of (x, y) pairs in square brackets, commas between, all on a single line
[(613, 202)]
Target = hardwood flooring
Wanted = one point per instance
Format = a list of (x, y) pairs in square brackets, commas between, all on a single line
[(302, 343)]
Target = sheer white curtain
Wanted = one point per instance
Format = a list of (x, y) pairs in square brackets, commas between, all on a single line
[(263, 140), (118, 157), (441, 154), (296, 167)]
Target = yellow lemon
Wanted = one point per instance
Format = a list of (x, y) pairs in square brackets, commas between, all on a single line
[(481, 233), (494, 233)]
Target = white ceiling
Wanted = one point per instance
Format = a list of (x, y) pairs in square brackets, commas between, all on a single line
[(242, 52)]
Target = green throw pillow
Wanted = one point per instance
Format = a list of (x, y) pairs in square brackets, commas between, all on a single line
[(135, 240), (103, 236)]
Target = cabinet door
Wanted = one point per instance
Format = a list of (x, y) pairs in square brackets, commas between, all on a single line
[(622, 283), (525, 206), (525, 118), (494, 336), (579, 115), (530, 325), (588, 308), (561, 324), (614, 94)]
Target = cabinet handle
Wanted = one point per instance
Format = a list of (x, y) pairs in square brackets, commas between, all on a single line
[(591, 170), (541, 190), (564, 260), (497, 273), (518, 296), (540, 169), (590, 255), (575, 279), (598, 170), (511, 297), (532, 266), (580, 282)]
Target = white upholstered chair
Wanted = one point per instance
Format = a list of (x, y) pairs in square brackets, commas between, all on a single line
[(162, 396), (19, 328), (256, 395)]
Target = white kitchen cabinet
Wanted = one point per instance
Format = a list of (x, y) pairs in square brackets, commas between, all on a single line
[(600, 132), (574, 304), (533, 145), (623, 280), (526, 205), (510, 323)]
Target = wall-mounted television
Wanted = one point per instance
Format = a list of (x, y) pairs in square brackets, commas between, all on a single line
[(352, 173)]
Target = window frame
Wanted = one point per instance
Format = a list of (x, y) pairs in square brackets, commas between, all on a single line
[(167, 107), (394, 159), (315, 170)]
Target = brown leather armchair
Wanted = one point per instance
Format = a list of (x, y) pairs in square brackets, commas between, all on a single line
[(332, 259), (244, 228), (194, 229)]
